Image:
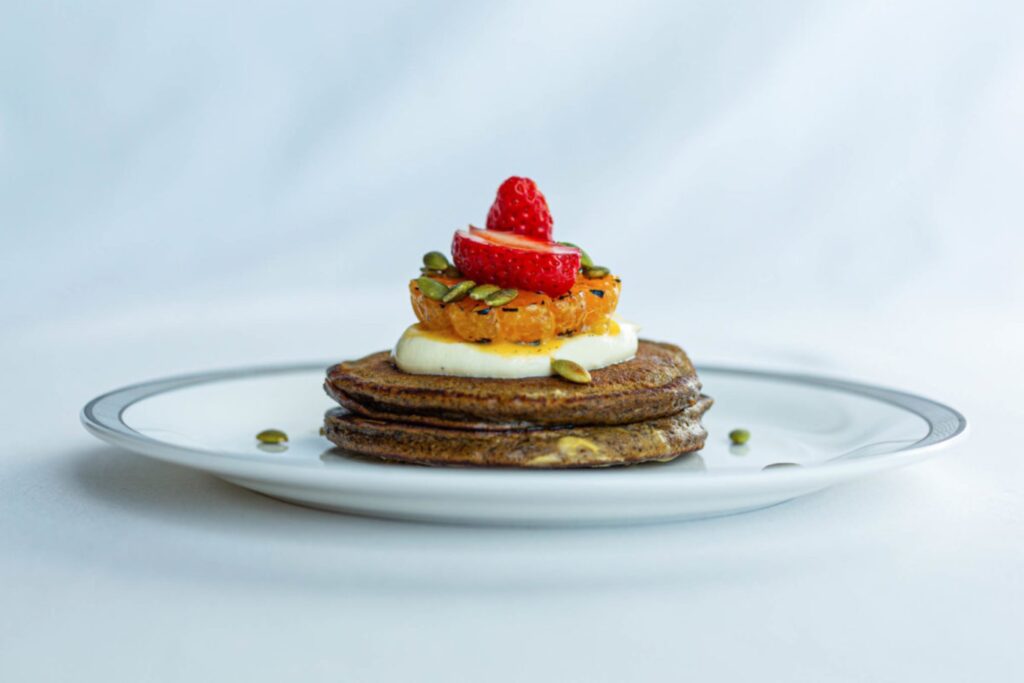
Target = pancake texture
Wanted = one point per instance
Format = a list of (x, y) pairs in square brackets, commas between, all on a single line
[(660, 381), (647, 408), (660, 439)]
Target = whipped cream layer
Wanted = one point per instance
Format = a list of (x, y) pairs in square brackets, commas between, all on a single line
[(421, 352)]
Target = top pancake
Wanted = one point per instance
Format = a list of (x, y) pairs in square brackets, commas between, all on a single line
[(659, 381)]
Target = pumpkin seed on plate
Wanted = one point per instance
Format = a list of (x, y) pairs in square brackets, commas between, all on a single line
[(481, 292), (273, 436), (432, 289), (435, 260), (502, 297), (739, 436), (458, 292), (570, 370), (595, 272)]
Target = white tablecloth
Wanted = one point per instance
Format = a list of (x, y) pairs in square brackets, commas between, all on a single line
[(833, 190)]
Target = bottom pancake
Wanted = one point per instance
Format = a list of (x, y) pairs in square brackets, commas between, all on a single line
[(660, 439)]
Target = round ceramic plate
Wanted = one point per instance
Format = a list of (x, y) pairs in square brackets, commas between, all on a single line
[(808, 433)]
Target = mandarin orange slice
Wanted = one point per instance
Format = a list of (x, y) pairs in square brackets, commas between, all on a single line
[(530, 317)]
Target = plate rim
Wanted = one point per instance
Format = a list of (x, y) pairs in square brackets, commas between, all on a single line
[(102, 416)]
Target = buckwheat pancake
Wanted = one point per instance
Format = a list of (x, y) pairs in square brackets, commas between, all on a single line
[(659, 439), (659, 382)]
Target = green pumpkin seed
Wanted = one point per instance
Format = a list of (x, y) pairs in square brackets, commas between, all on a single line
[(481, 292), (432, 289), (595, 272), (739, 436), (570, 370), (452, 272), (272, 436), (502, 297), (458, 292), (585, 260), (435, 260)]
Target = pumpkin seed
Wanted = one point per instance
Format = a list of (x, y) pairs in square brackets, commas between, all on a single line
[(739, 436), (458, 292), (577, 446), (481, 292), (273, 436), (570, 370), (435, 260), (544, 460), (502, 297), (595, 272), (452, 272), (585, 260), (432, 289)]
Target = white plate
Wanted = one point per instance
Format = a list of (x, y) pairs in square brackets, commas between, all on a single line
[(808, 433)]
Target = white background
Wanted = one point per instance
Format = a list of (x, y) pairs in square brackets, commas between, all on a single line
[(830, 187)]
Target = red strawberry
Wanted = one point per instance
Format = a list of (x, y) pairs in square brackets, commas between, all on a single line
[(509, 260), (521, 208)]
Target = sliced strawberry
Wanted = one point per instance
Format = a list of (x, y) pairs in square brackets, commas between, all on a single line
[(521, 208), (510, 260)]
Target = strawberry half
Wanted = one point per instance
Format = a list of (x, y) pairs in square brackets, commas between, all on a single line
[(510, 260), (521, 208)]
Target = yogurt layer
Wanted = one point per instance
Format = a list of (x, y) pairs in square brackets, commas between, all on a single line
[(422, 352)]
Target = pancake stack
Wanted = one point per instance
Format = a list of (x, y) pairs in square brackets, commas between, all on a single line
[(648, 408)]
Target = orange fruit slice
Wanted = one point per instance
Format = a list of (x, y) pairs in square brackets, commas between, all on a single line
[(530, 317)]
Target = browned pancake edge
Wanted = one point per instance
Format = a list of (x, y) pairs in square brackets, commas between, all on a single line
[(660, 381), (659, 439)]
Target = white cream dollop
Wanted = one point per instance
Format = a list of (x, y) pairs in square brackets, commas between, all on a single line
[(421, 352)]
